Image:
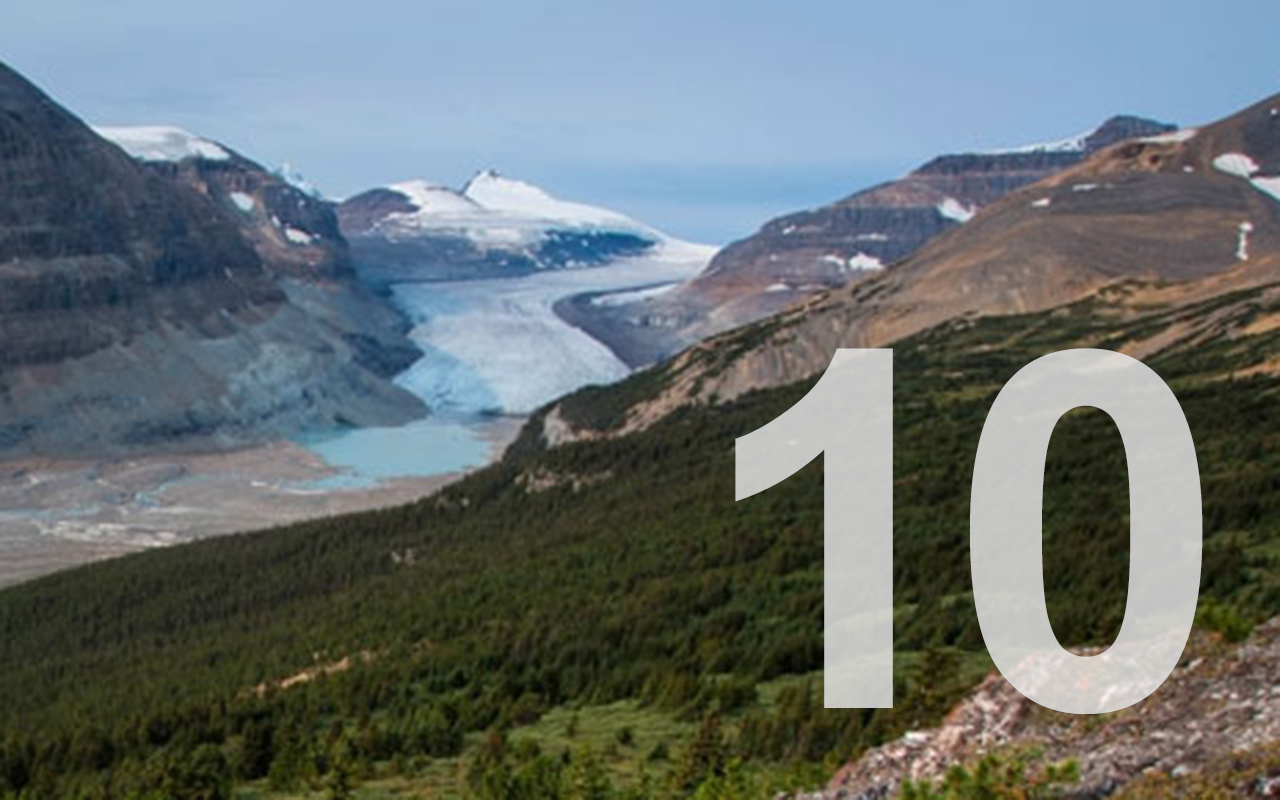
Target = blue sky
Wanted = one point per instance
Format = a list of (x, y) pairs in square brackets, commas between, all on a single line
[(704, 118)]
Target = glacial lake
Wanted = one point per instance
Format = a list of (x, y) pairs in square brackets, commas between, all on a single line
[(435, 445)]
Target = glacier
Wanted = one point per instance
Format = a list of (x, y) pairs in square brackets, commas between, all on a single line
[(498, 346)]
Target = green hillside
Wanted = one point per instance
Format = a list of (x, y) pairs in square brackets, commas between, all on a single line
[(602, 616)]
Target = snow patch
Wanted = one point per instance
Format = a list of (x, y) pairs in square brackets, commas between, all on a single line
[(1242, 166), (774, 288), (953, 209), (1085, 187), (298, 236), (1242, 247), (1237, 164), (862, 261), (1270, 186), (871, 237), (244, 202), (161, 143), (854, 263), (1043, 202)]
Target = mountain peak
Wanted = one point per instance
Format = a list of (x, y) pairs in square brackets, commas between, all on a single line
[(498, 193), (1114, 129), (492, 189), (1122, 127)]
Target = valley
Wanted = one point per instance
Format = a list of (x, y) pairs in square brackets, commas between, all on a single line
[(430, 491), (493, 351)]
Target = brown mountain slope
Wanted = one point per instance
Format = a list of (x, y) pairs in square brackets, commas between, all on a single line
[(1167, 211), (796, 254)]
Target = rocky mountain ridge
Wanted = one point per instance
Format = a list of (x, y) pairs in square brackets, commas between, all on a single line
[(798, 254), (1196, 209), (138, 310)]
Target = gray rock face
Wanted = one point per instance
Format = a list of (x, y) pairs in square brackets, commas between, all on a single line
[(297, 238), (137, 309)]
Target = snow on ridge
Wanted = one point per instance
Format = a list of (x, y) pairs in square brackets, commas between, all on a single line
[(291, 176), (1072, 144), (431, 198), (497, 193), (1172, 137), (953, 209), (162, 143), (496, 211)]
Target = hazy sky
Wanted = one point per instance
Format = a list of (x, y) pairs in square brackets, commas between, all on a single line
[(704, 118)]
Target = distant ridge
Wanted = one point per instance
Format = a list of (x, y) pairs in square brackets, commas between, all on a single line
[(799, 253), (494, 227)]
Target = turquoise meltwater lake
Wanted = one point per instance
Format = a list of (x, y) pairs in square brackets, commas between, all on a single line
[(431, 446)]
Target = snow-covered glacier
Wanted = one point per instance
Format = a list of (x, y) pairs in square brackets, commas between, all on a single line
[(498, 346)]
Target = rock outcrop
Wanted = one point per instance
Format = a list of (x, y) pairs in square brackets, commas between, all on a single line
[(1220, 700)]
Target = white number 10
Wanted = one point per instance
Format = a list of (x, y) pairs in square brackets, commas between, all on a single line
[(848, 416)]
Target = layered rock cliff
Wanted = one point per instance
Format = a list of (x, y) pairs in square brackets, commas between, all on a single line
[(137, 309)]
